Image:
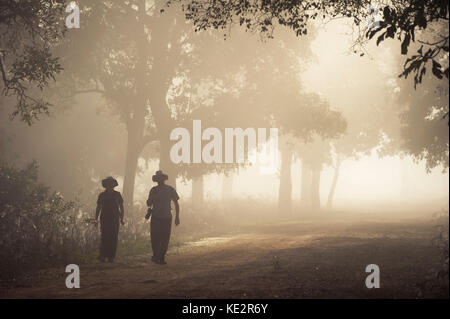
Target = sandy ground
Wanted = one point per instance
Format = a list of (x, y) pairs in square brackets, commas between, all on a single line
[(283, 260)]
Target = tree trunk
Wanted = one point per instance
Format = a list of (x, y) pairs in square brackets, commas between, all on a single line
[(130, 171), (305, 191), (159, 85), (285, 189), (315, 187), (334, 183), (136, 121), (135, 145), (197, 191), (227, 187), (163, 70)]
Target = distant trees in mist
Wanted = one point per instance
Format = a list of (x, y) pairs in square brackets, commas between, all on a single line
[(160, 65)]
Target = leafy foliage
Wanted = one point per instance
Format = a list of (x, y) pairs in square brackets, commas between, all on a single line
[(29, 31), (436, 283), (401, 19), (407, 18), (424, 134), (37, 227), (262, 15)]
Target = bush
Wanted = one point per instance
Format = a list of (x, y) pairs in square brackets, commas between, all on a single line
[(436, 284), (38, 228)]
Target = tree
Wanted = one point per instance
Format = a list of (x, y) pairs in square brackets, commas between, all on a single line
[(424, 135), (234, 91), (404, 20), (366, 111), (311, 122), (33, 222), (314, 155), (30, 29), (147, 76), (276, 97), (127, 59), (419, 25), (285, 188)]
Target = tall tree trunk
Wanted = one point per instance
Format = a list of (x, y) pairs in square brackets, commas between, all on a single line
[(285, 189), (131, 161), (197, 191), (136, 121), (164, 124), (161, 76), (315, 187), (334, 183), (305, 190), (227, 186), (135, 144), (163, 70), (165, 163)]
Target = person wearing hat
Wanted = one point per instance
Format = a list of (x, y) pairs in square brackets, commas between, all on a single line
[(159, 200), (110, 209)]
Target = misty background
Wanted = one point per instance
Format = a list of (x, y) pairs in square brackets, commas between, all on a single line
[(85, 141), (362, 116)]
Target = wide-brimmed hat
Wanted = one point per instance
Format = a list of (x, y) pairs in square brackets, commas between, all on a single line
[(159, 177), (109, 181)]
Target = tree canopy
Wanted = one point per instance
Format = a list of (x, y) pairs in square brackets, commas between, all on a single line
[(404, 20), (29, 30)]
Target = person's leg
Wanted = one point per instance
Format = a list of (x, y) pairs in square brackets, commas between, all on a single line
[(102, 251), (114, 239), (154, 236), (165, 237), (108, 236)]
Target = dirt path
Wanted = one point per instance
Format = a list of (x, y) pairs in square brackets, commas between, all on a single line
[(290, 260)]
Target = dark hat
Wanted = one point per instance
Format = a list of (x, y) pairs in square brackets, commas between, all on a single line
[(109, 181), (159, 177)]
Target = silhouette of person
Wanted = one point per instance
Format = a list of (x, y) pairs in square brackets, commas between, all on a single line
[(159, 200), (110, 209)]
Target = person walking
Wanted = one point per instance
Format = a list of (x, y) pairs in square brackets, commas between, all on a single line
[(110, 209), (159, 200)]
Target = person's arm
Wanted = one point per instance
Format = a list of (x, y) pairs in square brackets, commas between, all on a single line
[(99, 208), (97, 211), (175, 199), (177, 212), (149, 204), (150, 199), (122, 211)]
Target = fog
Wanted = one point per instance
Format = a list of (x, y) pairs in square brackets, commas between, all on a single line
[(86, 140), (361, 150)]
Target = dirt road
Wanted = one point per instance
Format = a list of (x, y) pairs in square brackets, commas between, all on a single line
[(285, 260)]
